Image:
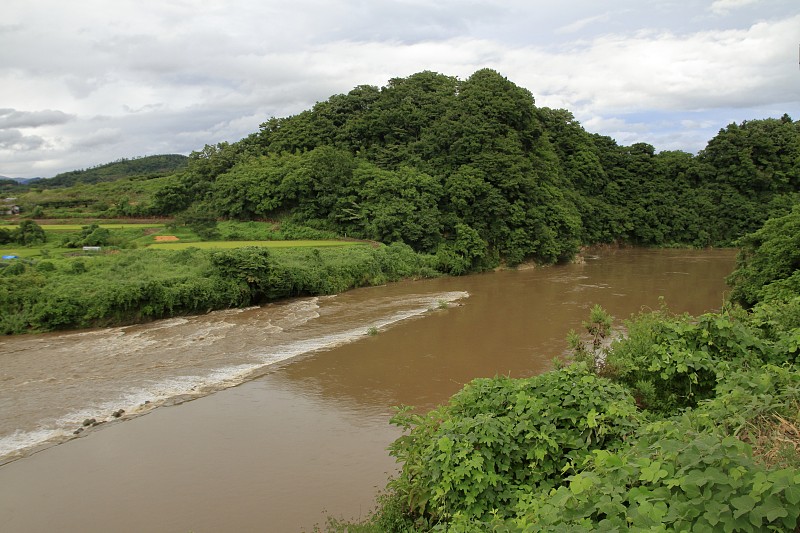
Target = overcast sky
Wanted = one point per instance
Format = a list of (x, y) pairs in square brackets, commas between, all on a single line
[(87, 82)]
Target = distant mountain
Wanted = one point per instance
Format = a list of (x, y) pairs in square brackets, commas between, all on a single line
[(10, 186), (149, 166), (23, 181)]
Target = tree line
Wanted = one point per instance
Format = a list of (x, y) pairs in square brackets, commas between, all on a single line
[(474, 172)]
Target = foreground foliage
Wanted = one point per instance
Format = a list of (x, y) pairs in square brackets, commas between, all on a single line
[(499, 439)]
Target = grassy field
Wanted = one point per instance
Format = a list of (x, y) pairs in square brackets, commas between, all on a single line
[(147, 234), (238, 244), (78, 227), (27, 253)]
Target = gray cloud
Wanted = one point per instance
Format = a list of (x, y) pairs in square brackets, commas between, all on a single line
[(11, 139), (11, 118)]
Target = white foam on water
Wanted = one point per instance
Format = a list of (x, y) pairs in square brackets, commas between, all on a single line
[(16, 444), (153, 394)]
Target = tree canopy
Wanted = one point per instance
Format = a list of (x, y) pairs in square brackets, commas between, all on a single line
[(473, 171), (430, 158)]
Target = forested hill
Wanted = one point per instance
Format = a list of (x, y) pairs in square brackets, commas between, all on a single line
[(473, 171), (149, 166)]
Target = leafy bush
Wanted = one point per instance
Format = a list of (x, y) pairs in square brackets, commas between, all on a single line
[(673, 478), (687, 472), (768, 265), (672, 362), (593, 353), (249, 265), (500, 439), (91, 235), (200, 218), (29, 232)]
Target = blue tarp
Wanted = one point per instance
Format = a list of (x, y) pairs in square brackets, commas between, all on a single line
[(10, 257)]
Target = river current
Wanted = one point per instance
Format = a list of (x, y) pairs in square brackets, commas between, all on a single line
[(292, 399), (52, 384)]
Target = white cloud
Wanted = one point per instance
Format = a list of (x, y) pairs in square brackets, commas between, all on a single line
[(654, 70), (722, 7), (582, 23)]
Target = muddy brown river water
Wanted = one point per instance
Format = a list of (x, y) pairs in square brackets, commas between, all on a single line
[(291, 401)]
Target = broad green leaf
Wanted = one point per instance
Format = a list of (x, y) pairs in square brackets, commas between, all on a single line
[(743, 504)]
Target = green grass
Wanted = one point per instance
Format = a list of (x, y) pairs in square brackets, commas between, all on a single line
[(238, 244), (78, 227), (27, 253)]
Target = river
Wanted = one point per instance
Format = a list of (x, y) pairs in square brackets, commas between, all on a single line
[(291, 401)]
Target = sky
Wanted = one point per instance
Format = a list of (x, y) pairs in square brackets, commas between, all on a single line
[(88, 82)]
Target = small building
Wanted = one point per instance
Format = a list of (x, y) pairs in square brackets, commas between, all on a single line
[(8, 206)]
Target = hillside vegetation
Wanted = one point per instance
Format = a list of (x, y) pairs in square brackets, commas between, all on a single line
[(475, 173), (469, 170), (149, 166)]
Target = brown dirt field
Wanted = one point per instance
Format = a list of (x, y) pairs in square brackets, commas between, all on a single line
[(165, 238)]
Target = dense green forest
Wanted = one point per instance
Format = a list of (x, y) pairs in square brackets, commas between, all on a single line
[(684, 424), (474, 172), (469, 170)]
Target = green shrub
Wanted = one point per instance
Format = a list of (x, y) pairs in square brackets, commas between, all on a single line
[(672, 362), (29, 232), (500, 439), (15, 268), (673, 479), (45, 266), (249, 265), (91, 235), (769, 261)]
